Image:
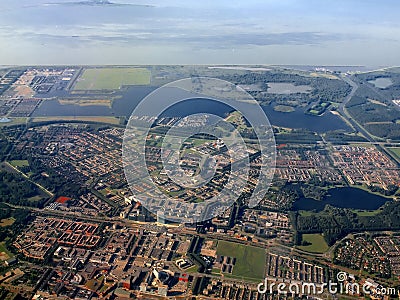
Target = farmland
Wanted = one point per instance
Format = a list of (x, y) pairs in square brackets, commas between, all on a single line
[(111, 78)]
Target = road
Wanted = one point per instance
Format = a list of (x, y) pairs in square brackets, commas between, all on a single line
[(27, 178), (343, 111)]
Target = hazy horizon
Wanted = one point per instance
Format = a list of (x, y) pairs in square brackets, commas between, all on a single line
[(285, 32)]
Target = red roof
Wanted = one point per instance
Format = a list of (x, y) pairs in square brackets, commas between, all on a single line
[(62, 200)]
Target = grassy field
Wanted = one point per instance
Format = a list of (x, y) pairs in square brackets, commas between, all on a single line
[(35, 199), (111, 78), (317, 241), (250, 261), (396, 152), (19, 163), (7, 222), (7, 255), (14, 121), (192, 269), (366, 213), (306, 213), (284, 108), (86, 102)]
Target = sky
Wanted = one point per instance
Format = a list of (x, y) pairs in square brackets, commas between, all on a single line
[(280, 32)]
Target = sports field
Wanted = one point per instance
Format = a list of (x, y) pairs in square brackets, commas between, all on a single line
[(250, 261), (317, 243), (111, 78)]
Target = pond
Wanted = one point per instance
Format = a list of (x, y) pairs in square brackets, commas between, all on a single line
[(285, 88), (382, 82)]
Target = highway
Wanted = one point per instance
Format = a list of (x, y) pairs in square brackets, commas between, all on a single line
[(343, 111)]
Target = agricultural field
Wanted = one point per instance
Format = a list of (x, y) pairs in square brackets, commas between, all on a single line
[(316, 243), (111, 78), (250, 261)]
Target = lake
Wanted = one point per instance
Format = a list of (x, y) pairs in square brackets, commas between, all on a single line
[(344, 198), (130, 98)]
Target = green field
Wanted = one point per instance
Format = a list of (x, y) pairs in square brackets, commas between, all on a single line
[(317, 241), (111, 78), (396, 152), (19, 163), (250, 261)]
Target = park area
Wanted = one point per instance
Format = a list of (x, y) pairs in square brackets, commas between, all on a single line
[(111, 78), (314, 243), (250, 261)]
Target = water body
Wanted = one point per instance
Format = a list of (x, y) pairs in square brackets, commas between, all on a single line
[(381, 83), (284, 88), (125, 105), (344, 198), (298, 119), (5, 120), (52, 108)]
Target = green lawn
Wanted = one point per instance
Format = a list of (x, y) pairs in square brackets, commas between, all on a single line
[(112, 78), (192, 269), (396, 152), (250, 261), (19, 163), (216, 271), (317, 241)]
